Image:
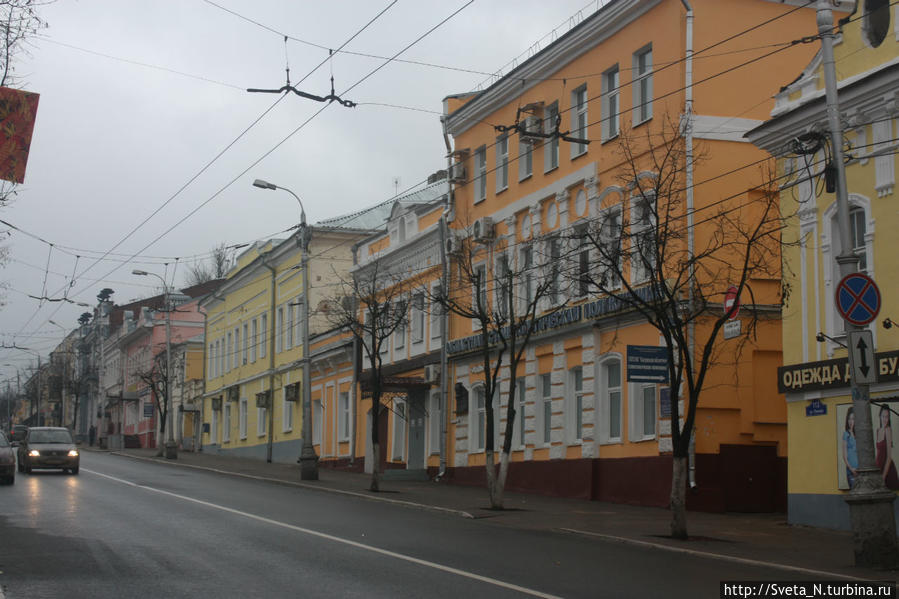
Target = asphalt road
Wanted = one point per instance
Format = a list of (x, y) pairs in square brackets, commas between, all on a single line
[(129, 528)]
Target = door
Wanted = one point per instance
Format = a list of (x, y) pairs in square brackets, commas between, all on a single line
[(416, 459)]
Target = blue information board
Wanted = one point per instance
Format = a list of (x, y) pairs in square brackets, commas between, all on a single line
[(647, 364)]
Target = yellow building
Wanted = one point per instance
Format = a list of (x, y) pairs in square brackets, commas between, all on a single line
[(815, 374), (254, 334), (633, 68)]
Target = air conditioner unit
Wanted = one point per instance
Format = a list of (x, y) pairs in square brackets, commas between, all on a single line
[(482, 231), (234, 393), (457, 173), (262, 399), (216, 404), (453, 245), (292, 392), (432, 373), (530, 129)]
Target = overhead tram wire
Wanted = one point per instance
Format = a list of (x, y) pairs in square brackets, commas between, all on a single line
[(213, 161)]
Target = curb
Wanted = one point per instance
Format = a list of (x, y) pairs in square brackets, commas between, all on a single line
[(400, 502), (709, 555)]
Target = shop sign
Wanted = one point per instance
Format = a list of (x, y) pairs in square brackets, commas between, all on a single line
[(831, 374)]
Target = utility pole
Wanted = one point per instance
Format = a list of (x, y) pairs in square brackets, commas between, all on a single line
[(870, 502)]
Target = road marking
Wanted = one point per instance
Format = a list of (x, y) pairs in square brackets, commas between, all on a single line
[(718, 556), (321, 535)]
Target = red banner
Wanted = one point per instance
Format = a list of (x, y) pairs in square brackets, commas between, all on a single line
[(18, 110)]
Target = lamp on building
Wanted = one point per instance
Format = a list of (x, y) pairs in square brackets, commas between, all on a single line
[(888, 323), (171, 449), (308, 460), (821, 337)]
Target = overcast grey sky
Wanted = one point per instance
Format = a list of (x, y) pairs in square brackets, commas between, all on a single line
[(115, 140)]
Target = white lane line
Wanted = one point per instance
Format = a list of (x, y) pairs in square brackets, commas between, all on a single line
[(718, 556), (321, 535)]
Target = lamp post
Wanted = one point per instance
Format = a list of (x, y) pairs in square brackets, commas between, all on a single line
[(308, 460), (171, 449)]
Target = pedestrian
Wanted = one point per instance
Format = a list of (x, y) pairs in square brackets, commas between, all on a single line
[(92, 435)]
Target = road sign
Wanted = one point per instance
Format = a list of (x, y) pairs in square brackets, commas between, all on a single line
[(732, 328), (864, 368), (647, 364), (858, 299), (731, 302)]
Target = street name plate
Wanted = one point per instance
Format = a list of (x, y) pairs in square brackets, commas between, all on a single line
[(732, 328)]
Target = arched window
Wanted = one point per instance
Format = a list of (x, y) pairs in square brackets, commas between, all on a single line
[(876, 22)]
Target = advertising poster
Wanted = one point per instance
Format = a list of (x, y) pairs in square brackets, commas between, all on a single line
[(886, 438), (18, 110)]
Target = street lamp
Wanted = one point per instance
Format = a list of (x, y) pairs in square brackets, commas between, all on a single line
[(171, 449), (308, 459)]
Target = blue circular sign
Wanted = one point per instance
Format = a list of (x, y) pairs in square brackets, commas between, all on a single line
[(858, 299)]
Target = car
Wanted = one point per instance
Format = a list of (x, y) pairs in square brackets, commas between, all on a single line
[(17, 434), (48, 447), (7, 461)]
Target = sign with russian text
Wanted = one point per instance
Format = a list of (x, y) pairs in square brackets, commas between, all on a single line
[(18, 110), (647, 364), (830, 374)]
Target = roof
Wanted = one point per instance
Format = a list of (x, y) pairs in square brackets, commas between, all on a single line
[(375, 217)]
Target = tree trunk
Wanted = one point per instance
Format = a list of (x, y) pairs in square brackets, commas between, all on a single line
[(375, 485), (679, 498), (491, 479), (499, 495)]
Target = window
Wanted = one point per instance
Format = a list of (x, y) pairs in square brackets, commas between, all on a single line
[(300, 322), (400, 333), (263, 337), (230, 353), (642, 85), (289, 327), (235, 355), (221, 356), (210, 359), (551, 145), (254, 339), (582, 266), (246, 342), (579, 120), (554, 252), (399, 430), (876, 21), (857, 237), (546, 408), (343, 416), (480, 286), (226, 424), (242, 418), (418, 318), (527, 277), (642, 416), (503, 285), (611, 400), (610, 248), (518, 437), (214, 427), (478, 420), (436, 317), (317, 422), (480, 165), (525, 160), (575, 405), (261, 420), (610, 105), (279, 325), (643, 250), (286, 411), (502, 162)]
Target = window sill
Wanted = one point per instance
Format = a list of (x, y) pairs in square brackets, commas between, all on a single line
[(478, 201), (615, 441), (526, 177), (643, 122), (576, 156), (606, 140), (551, 169), (504, 189)]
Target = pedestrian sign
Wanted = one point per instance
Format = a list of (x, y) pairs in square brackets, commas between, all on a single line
[(858, 299)]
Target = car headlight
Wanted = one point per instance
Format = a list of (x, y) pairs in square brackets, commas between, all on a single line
[(34, 453), (73, 453)]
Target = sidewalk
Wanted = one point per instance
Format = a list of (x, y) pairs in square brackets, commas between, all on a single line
[(766, 538)]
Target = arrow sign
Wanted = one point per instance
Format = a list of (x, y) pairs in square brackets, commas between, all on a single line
[(861, 344)]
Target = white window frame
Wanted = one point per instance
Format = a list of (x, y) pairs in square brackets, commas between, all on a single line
[(343, 416), (482, 291), (436, 318), (226, 423), (279, 325), (502, 163), (263, 335), (637, 411), (399, 333), (518, 432), (611, 217), (299, 321), (551, 144), (579, 120), (480, 181), (261, 421), (642, 85), (501, 286), (317, 422), (831, 248), (235, 356), (245, 345), (289, 327), (210, 361), (553, 270), (435, 416), (527, 275), (214, 428), (242, 418), (418, 317), (477, 419), (544, 410), (580, 286), (642, 226), (254, 336), (286, 411), (229, 354), (525, 160), (611, 103), (574, 405), (608, 401)]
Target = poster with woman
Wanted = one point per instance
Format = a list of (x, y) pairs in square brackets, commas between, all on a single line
[(886, 445)]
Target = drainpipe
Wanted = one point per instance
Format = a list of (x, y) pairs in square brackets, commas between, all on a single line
[(271, 364), (444, 317), (688, 143)]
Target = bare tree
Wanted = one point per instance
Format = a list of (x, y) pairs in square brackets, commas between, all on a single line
[(154, 377), (372, 305), (672, 265), (522, 284), (216, 267)]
